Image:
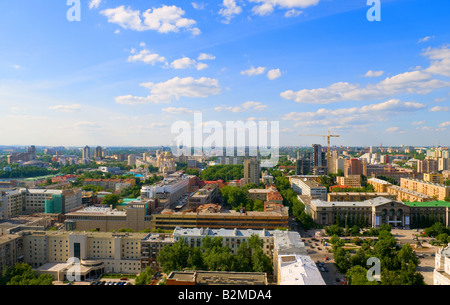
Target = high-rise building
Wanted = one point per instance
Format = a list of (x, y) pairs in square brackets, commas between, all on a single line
[(318, 159), (251, 171), (352, 167), (86, 153), (427, 166), (303, 163), (98, 152)]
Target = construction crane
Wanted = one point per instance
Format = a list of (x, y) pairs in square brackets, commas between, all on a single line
[(328, 137)]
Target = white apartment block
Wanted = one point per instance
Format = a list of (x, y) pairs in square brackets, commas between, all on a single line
[(312, 188)]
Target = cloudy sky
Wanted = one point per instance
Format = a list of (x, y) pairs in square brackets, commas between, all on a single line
[(128, 70)]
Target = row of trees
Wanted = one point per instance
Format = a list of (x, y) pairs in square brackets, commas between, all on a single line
[(23, 274), (296, 207), (214, 256), (397, 264), (238, 197), (222, 172), (25, 172)]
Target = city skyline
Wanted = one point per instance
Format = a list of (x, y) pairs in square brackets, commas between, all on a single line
[(128, 69)]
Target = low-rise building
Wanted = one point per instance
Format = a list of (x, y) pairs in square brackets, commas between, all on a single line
[(309, 187), (350, 181)]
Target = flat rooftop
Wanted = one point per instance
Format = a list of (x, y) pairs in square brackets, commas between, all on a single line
[(98, 211), (298, 270)]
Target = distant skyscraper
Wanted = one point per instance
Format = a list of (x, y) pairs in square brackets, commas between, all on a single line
[(32, 152), (317, 155), (303, 163), (352, 167), (98, 152), (86, 153)]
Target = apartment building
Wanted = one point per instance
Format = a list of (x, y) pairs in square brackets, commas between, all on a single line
[(434, 178), (10, 250), (350, 181), (30, 201), (357, 196), (309, 188), (435, 190)]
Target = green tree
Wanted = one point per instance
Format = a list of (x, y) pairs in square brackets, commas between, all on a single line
[(145, 277), (23, 274), (111, 200)]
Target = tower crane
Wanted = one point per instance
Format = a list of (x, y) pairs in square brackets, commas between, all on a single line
[(328, 137)]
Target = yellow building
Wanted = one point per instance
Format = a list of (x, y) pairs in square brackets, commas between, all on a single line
[(438, 191), (434, 178)]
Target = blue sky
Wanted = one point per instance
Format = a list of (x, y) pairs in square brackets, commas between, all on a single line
[(128, 69)]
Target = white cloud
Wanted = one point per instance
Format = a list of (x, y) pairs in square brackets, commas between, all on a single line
[(292, 13), (16, 67), (440, 109), (412, 82), (180, 110), (418, 123), (117, 31), (186, 63), (440, 60), (173, 89), (266, 7), (205, 56), (147, 57), (445, 124), (424, 39), (66, 108), (183, 63), (358, 116), (198, 6), (417, 82), (274, 74), (254, 71), (94, 4), (229, 10), (201, 66), (394, 130), (371, 73), (247, 106), (86, 125), (165, 19)]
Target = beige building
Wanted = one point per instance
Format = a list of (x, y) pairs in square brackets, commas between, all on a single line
[(406, 195), (357, 196), (133, 217), (437, 191), (48, 252), (309, 187), (10, 251), (22, 201), (251, 171), (350, 181)]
